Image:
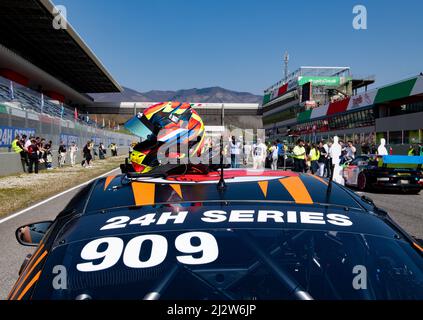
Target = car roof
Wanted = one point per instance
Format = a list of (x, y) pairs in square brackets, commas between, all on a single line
[(241, 185)]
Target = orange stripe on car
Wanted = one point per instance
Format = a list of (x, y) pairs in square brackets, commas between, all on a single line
[(30, 284), (144, 193), (263, 186), (108, 181), (296, 189), (177, 189), (418, 247), (27, 274), (318, 178), (32, 259)]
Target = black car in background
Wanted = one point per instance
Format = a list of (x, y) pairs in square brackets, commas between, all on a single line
[(401, 173)]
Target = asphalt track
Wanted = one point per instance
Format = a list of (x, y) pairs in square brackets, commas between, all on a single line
[(407, 210), (12, 254)]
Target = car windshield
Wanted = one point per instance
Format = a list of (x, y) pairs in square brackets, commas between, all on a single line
[(242, 263)]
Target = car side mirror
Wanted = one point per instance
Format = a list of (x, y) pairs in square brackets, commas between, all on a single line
[(31, 234)]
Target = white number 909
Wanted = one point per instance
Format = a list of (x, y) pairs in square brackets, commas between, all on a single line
[(114, 248)]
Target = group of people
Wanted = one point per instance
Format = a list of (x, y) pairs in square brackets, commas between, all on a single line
[(239, 153), (36, 151), (33, 151), (317, 157), (242, 153)]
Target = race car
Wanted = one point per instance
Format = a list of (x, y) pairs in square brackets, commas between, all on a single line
[(183, 234), (402, 173)]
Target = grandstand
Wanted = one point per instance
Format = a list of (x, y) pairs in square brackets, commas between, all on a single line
[(46, 73)]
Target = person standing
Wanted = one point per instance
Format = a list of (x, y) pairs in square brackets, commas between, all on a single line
[(259, 154), (381, 150), (18, 148), (101, 151), (235, 152), (48, 156), (73, 150), (33, 156), (62, 154), (28, 143), (322, 159), (350, 151), (86, 151), (328, 163), (314, 158), (247, 153), (113, 149), (299, 152), (274, 151), (281, 152), (411, 151)]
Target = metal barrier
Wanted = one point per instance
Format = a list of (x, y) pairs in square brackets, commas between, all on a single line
[(15, 120)]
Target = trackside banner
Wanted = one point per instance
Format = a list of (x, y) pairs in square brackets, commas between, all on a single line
[(7, 134)]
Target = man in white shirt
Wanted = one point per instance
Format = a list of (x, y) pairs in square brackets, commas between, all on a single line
[(381, 150), (259, 154), (350, 151), (28, 142), (73, 150)]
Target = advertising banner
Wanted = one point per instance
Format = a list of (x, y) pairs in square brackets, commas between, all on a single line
[(69, 138), (7, 134), (320, 81)]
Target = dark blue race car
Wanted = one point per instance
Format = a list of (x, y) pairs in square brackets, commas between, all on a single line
[(398, 173), (178, 235)]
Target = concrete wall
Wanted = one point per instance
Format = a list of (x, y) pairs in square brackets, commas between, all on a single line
[(10, 162)]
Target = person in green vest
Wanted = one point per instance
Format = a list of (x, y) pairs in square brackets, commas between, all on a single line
[(299, 156), (411, 151), (314, 156), (17, 147)]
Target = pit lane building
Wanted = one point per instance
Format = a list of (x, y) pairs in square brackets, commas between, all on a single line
[(340, 104)]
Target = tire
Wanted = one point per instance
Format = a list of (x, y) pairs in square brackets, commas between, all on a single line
[(361, 181)]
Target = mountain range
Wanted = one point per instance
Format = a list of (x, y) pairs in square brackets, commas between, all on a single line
[(204, 95)]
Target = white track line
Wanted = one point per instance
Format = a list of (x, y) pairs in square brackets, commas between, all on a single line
[(53, 197)]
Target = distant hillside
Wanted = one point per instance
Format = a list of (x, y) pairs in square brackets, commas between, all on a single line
[(210, 95), (128, 95)]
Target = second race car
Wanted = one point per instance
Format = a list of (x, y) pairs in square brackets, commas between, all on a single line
[(401, 173)]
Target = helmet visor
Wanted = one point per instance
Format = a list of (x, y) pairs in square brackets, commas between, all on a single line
[(140, 127)]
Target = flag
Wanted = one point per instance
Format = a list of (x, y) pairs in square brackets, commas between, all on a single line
[(88, 117), (95, 119), (42, 102), (12, 91), (76, 114), (104, 124), (62, 110), (109, 123)]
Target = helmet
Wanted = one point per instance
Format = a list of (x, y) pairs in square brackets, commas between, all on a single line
[(169, 123)]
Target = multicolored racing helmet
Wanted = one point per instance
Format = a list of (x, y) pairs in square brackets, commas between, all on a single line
[(167, 123)]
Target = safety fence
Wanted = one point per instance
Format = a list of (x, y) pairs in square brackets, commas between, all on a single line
[(16, 120)]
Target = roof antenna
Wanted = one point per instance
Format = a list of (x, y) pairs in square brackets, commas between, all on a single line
[(329, 189), (221, 186)]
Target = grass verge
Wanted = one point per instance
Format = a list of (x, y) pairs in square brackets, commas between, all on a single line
[(20, 191)]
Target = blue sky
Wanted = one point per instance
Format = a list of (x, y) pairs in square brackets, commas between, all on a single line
[(238, 44)]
